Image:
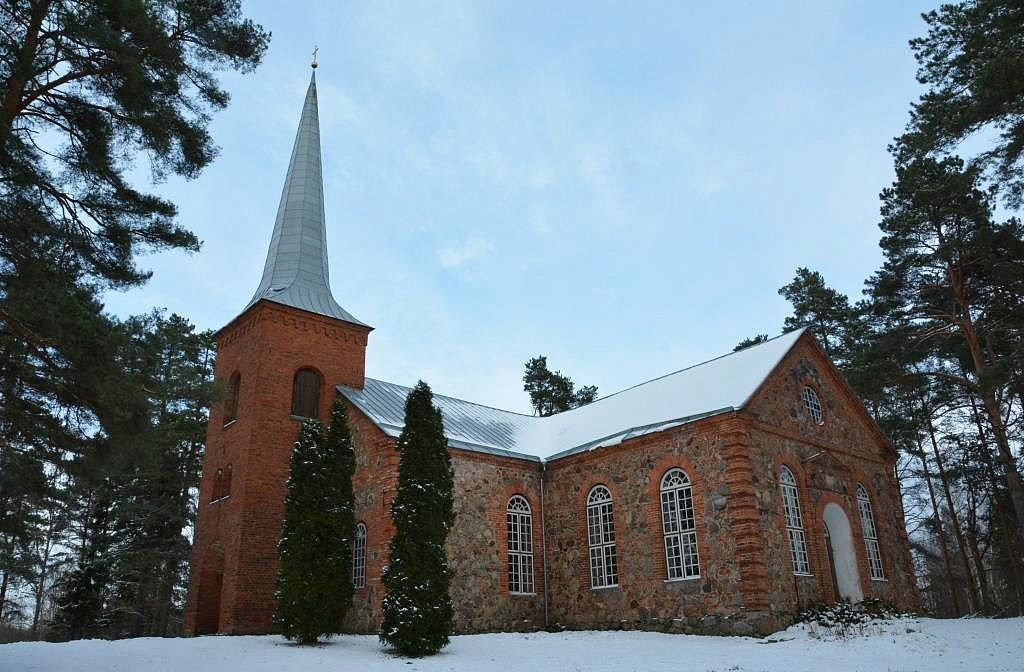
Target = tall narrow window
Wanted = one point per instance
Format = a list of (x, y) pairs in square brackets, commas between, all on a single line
[(218, 485), (867, 524), (306, 393), (519, 529), (794, 522), (679, 525), (221, 484), (359, 557), (604, 565), (231, 401)]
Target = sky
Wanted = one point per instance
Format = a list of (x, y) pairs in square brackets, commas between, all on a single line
[(622, 187)]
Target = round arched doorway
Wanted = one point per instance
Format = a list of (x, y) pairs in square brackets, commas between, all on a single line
[(842, 557)]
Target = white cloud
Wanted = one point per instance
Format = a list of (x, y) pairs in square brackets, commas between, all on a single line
[(474, 247)]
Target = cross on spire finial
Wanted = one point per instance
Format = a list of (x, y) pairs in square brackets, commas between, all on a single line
[(315, 50)]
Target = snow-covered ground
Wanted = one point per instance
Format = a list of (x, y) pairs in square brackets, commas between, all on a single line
[(903, 645)]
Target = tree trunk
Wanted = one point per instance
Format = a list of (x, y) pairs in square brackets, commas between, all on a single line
[(3, 593), (942, 536), (21, 71), (1007, 530), (977, 556), (972, 590), (993, 409)]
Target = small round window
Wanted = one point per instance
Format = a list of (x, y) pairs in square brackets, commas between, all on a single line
[(813, 404)]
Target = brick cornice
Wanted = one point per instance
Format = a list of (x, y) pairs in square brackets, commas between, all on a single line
[(501, 460), (793, 436), (300, 320), (718, 425)]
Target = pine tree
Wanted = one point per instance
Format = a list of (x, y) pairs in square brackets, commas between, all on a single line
[(551, 391), (970, 60), (747, 342), (418, 612), (89, 88), (823, 309), (84, 593), (154, 507), (938, 242), (314, 582)]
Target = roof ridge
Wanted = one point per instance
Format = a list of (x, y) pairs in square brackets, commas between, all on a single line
[(685, 368), (608, 396)]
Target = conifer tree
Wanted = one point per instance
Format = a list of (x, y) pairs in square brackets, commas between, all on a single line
[(748, 342), (418, 613), (551, 391), (314, 585)]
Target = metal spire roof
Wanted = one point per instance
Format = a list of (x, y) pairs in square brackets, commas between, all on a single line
[(296, 270)]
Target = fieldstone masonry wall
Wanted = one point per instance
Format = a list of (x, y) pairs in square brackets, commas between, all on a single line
[(644, 598), (828, 460)]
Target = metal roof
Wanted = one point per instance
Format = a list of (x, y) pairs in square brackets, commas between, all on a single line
[(721, 385), (466, 425), (296, 270)]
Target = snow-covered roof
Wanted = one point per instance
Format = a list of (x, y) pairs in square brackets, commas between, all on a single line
[(717, 386)]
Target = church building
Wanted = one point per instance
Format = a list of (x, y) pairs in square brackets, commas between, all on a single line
[(721, 498)]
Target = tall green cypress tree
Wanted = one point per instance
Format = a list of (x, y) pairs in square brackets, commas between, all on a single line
[(314, 584), (418, 613)]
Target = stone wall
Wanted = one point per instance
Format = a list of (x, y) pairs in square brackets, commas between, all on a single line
[(644, 597), (476, 543), (477, 546), (828, 460), (374, 483)]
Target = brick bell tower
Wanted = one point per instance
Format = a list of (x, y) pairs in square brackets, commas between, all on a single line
[(278, 361)]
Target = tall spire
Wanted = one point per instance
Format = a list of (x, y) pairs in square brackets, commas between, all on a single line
[(296, 270)]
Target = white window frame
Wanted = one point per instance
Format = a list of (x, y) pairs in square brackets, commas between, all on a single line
[(679, 526), (604, 563), (812, 402), (519, 542), (794, 522), (359, 557), (867, 525)]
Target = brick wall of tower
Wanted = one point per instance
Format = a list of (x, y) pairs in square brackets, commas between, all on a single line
[(234, 558)]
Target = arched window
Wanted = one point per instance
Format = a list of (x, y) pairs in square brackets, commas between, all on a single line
[(359, 557), (218, 485), (221, 484), (306, 394), (604, 565), (867, 524), (231, 401), (679, 525), (813, 405), (519, 530), (794, 522)]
